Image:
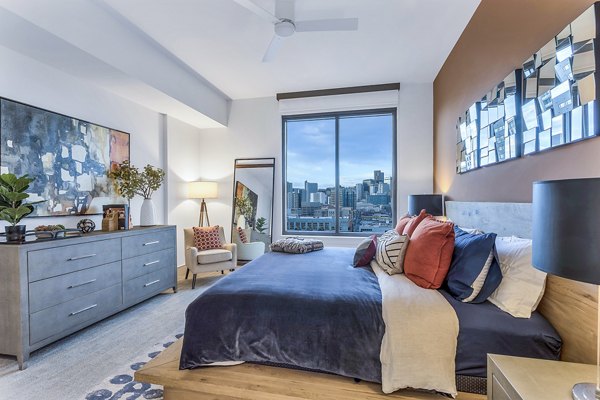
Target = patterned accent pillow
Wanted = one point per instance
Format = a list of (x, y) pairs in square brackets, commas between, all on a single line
[(207, 238), (365, 252), (391, 248), (242, 235), (296, 245)]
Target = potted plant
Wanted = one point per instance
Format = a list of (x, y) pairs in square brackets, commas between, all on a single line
[(261, 225), (129, 181), (12, 207)]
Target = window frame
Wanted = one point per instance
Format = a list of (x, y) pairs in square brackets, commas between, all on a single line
[(393, 111)]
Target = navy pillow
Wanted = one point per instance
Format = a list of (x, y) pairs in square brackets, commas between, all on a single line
[(471, 251)]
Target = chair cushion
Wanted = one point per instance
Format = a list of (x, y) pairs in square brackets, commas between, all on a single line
[(207, 237), (242, 234), (214, 256)]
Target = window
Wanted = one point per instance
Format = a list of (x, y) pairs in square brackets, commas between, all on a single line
[(338, 173)]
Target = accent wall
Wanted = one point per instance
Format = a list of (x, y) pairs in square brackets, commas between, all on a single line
[(499, 38)]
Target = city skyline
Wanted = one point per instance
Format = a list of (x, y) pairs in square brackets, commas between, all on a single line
[(365, 144)]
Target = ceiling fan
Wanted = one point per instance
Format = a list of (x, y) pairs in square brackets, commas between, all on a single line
[(285, 25)]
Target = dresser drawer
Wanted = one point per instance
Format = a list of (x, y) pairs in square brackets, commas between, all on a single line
[(148, 243), (51, 321), (147, 263), (148, 285), (56, 261), (52, 291)]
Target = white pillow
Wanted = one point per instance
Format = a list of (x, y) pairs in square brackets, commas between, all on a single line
[(391, 248), (522, 285)]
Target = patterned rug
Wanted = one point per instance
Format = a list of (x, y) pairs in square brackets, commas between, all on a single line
[(121, 384)]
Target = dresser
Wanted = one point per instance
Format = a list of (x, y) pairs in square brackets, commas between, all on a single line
[(518, 378), (50, 289)]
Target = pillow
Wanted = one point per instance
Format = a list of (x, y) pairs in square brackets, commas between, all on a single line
[(522, 285), (365, 252), (402, 222), (242, 235), (414, 222), (391, 248), (207, 237), (296, 245), (474, 273), (429, 253)]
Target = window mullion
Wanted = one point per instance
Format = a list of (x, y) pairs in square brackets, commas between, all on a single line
[(337, 174)]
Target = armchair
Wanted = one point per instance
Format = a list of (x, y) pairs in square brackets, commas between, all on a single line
[(208, 260), (248, 251)]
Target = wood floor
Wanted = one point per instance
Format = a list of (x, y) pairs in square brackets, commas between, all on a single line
[(259, 382)]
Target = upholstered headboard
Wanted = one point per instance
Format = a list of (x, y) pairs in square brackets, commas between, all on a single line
[(570, 306)]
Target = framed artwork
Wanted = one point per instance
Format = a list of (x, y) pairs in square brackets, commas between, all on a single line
[(69, 158), (246, 204)]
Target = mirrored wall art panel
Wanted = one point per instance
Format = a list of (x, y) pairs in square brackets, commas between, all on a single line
[(550, 102), (252, 217), (487, 133), (559, 88)]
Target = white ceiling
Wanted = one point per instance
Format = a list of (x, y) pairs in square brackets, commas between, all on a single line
[(188, 58), (397, 41)]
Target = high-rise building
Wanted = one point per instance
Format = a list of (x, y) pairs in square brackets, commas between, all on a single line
[(309, 188), (318, 197), (378, 176), (360, 192)]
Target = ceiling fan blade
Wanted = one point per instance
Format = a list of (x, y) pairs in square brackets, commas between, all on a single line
[(274, 46), (337, 24), (284, 9), (258, 10)]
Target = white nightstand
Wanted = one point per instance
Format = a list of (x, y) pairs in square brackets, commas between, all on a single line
[(517, 378)]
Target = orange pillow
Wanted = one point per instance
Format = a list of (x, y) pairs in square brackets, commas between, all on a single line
[(402, 222), (429, 253), (207, 237), (412, 224)]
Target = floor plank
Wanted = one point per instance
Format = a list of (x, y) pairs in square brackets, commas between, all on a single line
[(260, 382)]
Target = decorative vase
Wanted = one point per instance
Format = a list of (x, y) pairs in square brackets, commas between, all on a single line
[(147, 215), (15, 233)]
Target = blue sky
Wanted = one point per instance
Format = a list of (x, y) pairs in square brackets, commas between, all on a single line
[(365, 146)]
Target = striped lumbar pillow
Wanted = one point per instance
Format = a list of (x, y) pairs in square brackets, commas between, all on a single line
[(391, 248)]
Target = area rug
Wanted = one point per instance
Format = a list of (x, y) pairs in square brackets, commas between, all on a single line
[(121, 384)]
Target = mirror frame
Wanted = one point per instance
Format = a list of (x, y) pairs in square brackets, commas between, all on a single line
[(268, 162)]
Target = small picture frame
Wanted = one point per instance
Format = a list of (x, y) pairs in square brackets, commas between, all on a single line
[(122, 210)]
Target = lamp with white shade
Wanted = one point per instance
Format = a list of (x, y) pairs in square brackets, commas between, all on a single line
[(203, 190), (566, 232)]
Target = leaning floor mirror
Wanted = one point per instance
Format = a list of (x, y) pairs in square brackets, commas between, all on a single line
[(251, 225)]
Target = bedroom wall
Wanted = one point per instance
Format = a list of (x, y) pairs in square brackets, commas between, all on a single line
[(255, 131), (499, 37), (29, 81)]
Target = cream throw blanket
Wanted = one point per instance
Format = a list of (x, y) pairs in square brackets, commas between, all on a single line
[(421, 331)]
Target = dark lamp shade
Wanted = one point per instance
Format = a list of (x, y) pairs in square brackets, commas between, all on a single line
[(566, 228), (432, 203)]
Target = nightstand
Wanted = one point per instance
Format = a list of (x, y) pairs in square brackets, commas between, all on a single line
[(517, 378)]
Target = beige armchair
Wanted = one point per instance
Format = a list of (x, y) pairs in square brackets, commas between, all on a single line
[(208, 260)]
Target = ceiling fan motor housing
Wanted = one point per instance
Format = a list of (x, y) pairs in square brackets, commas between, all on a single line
[(285, 28)]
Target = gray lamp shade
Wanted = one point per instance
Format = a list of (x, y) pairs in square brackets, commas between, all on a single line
[(432, 203), (566, 228)]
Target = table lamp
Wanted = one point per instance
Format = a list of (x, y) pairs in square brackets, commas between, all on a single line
[(432, 203), (203, 190), (566, 232)]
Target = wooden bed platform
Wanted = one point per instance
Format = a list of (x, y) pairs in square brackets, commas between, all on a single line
[(259, 382)]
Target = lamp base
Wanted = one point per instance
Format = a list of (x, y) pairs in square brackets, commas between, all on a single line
[(585, 391)]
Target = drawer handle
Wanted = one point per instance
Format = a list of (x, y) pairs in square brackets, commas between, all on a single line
[(151, 262), (151, 283), (82, 283), (82, 257), (83, 309), (154, 242)]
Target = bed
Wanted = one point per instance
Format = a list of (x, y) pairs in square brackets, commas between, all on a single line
[(316, 312), (565, 305)]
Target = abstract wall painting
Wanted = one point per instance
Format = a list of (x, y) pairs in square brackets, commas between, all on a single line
[(68, 157)]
